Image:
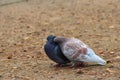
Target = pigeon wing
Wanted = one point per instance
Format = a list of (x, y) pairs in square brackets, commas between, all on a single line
[(72, 50)]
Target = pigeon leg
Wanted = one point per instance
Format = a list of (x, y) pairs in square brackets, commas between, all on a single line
[(77, 64), (80, 64)]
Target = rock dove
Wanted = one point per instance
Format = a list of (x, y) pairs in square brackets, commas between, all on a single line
[(77, 51), (54, 52)]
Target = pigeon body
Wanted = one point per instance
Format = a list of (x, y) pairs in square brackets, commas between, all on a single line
[(54, 52), (77, 51)]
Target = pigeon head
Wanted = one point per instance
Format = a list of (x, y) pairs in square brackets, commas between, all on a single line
[(50, 37), (92, 57), (54, 52)]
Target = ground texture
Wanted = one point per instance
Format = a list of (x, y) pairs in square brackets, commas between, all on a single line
[(24, 25)]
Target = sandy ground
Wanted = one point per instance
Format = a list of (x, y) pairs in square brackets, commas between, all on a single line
[(25, 24)]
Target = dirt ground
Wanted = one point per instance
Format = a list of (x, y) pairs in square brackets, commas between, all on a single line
[(25, 24)]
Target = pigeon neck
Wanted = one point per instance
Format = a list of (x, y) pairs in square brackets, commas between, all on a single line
[(60, 39)]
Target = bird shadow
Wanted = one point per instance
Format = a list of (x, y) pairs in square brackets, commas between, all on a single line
[(69, 66)]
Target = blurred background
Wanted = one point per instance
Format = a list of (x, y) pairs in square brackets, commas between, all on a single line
[(25, 24)]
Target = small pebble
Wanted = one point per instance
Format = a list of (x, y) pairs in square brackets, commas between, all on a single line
[(111, 52), (111, 27), (0, 76), (109, 61), (9, 57), (79, 71)]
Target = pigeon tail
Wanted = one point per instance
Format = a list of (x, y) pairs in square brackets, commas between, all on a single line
[(92, 57)]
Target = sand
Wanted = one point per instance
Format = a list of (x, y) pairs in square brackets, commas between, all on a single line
[(25, 24)]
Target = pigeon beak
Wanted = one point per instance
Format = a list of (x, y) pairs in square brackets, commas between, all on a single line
[(93, 58)]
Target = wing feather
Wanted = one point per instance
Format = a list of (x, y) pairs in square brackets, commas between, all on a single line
[(73, 50)]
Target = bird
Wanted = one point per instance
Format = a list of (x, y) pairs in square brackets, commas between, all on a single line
[(53, 51), (77, 51)]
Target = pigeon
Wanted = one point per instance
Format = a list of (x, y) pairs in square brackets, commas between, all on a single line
[(54, 52), (77, 51)]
